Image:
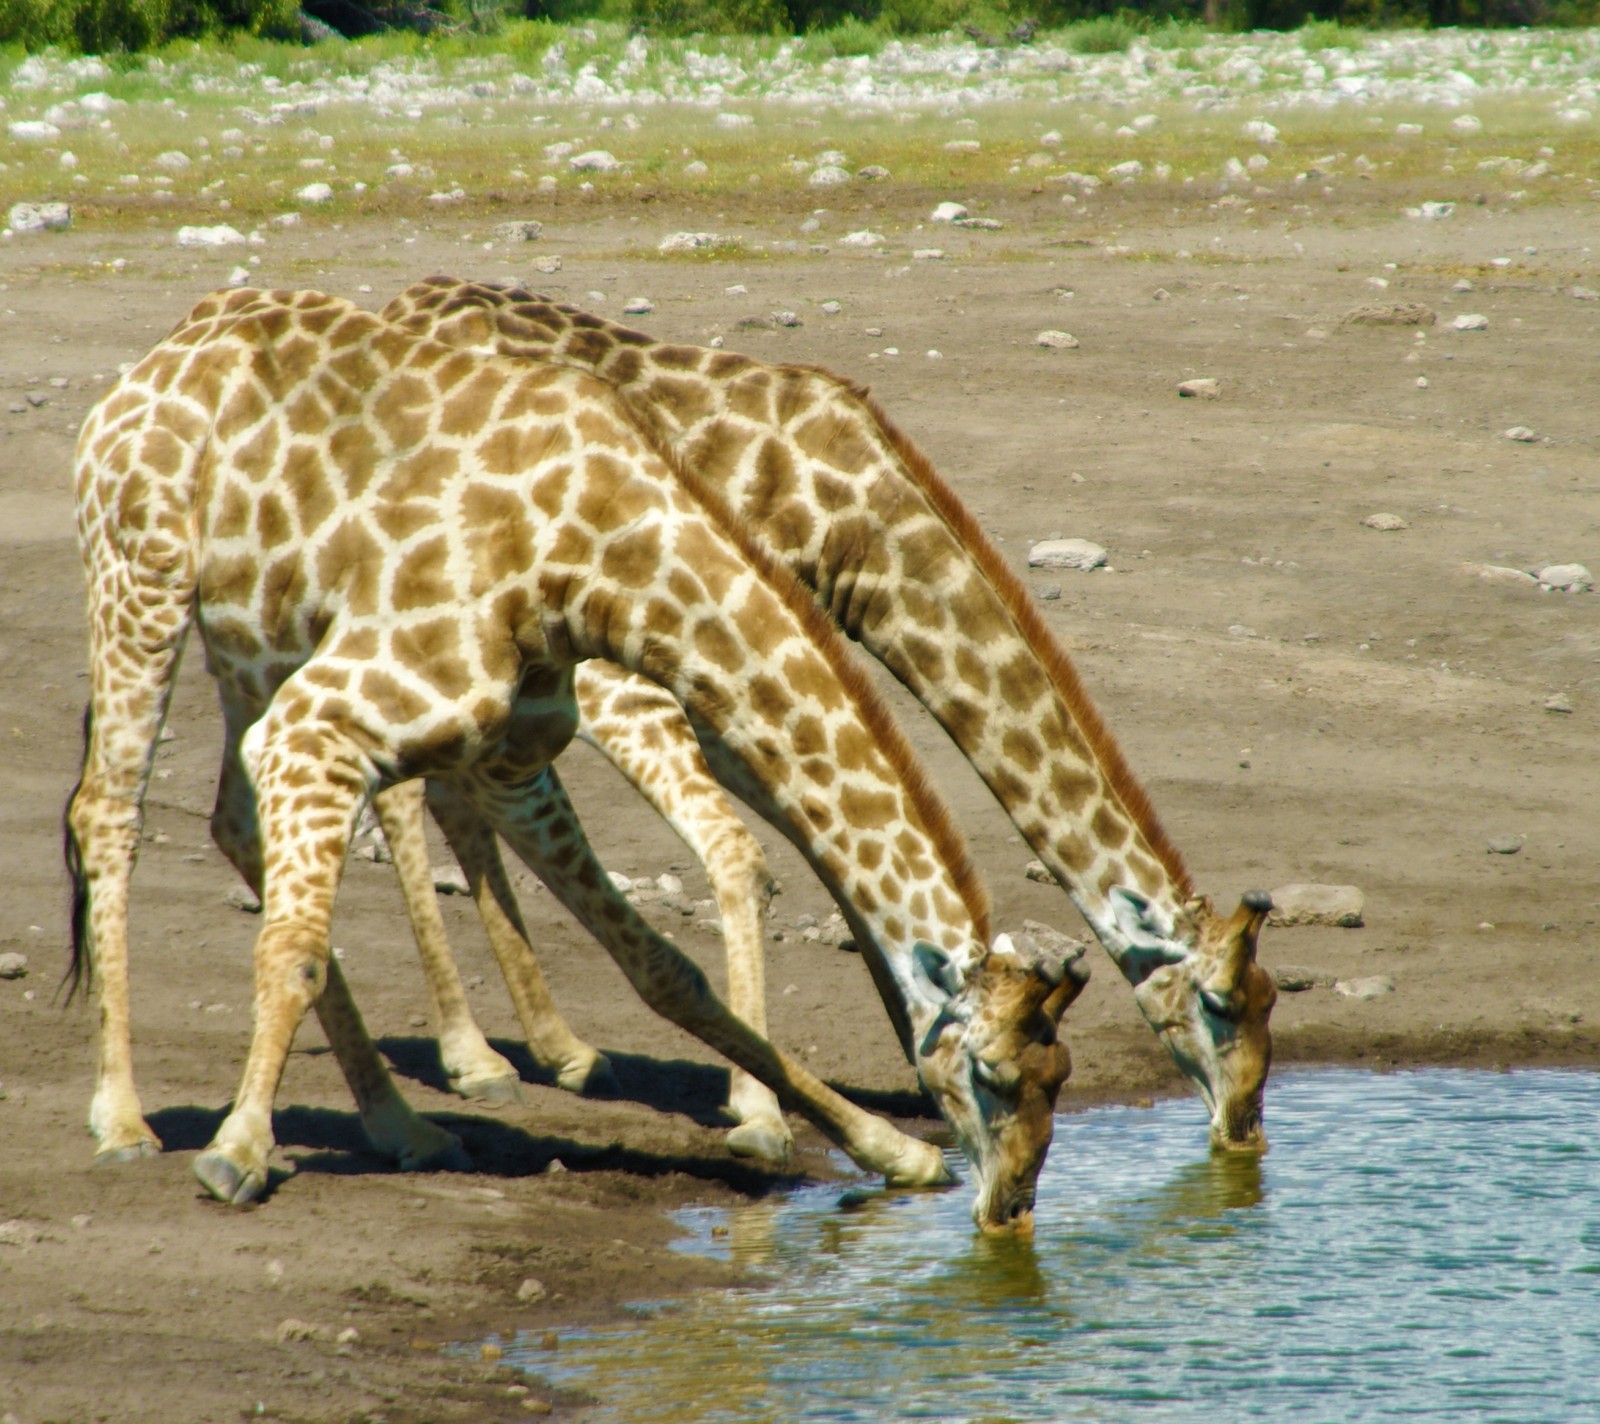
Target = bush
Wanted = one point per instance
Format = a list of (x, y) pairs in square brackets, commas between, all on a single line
[(1106, 34), (709, 17), (107, 26)]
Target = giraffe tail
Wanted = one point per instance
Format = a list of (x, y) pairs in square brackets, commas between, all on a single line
[(80, 971)]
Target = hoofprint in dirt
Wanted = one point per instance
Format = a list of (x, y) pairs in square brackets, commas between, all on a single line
[(1308, 698)]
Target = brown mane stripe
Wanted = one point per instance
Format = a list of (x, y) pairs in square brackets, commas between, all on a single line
[(1046, 646)]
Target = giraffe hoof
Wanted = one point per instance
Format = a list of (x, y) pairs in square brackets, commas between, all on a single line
[(758, 1140), (220, 1175), (452, 1157), (127, 1152), (591, 1079), (489, 1090)]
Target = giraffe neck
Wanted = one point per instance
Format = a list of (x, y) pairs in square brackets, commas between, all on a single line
[(827, 485)]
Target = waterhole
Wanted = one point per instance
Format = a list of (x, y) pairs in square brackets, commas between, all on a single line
[(1420, 1245)]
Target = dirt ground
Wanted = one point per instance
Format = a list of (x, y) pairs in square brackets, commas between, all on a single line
[(1307, 698)]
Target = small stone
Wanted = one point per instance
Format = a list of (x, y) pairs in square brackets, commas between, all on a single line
[(1056, 340), (1161, 294), (448, 880), (292, 1329), (531, 1290), (220, 236), (1066, 554), (786, 318), (1559, 703), (1125, 172), (1471, 321), (1292, 979), (1461, 284), (827, 176), (947, 212), (315, 193), (872, 173), (547, 265), (1499, 573), (1567, 578), (489, 1352), (1306, 904), (1201, 388), (1391, 314), (1047, 592), (39, 217), (980, 224), (597, 160), (534, 1406), (524, 230), (928, 254), (1504, 845), (241, 897), (1422, 383), (1373, 986), (1436, 212), (1524, 433), (963, 145), (638, 306), (1385, 522), (13, 966), (348, 1336), (1585, 294), (1038, 871), (1467, 124), (689, 241), (865, 237), (556, 1167)]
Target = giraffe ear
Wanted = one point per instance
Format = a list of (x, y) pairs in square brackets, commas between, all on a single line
[(934, 974), (1147, 945)]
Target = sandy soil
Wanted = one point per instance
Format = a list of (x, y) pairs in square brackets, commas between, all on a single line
[(1307, 698)]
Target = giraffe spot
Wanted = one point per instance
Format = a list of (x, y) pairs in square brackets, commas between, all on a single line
[(923, 656), (1020, 746), (513, 449), (1109, 828), (498, 537), (624, 367), (548, 493), (817, 814), (243, 410), (587, 347), (663, 620), (923, 608), (420, 475), (1072, 788), (795, 392), (972, 670), (868, 810), (749, 397), (869, 854), (715, 642), (283, 587), (918, 907), (536, 399), (685, 588), (632, 561), (274, 524), (893, 927), (355, 454), (832, 493), (819, 770), (807, 736), (1022, 680), (855, 747), (831, 440), (305, 480), (350, 371), (671, 357), (421, 577), (472, 403), (613, 496), (257, 458), (400, 522), (403, 410), (351, 561), (810, 677), (915, 864), (306, 414), (965, 721), (394, 703), (1146, 873), (688, 400), (1010, 788), (716, 453), (722, 366), (432, 650), (356, 645), (704, 549), (572, 548), (1074, 852)]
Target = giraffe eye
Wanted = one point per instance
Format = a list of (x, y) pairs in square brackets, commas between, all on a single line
[(1002, 1077), (1219, 1004)]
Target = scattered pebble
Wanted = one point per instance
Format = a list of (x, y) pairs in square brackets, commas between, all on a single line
[(1056, 340), (873, 173), (1567, 578), (948, 212), (1504, 845), (1471, 321), (1292, 979), (1391, 314), (315, 193), (1201, 388), (449, 880), (928, 254), (13, 966), (220, 236), (1373, 986), (980, 224), (1435, 212), (690, 241), (786, 318), (1559, 703), (827, 176), (597, 160), (865, 237), (241, 897), (638, 306), (1585, 294), (1040, 873), (1309, 904), (531, 1290), (1526, 434), (292, 1329), (524, 230), (39, 217), (1385, 522), (1499, 573), (1066, 554), (547, 265)]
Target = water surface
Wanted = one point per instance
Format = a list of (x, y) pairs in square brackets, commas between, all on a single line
[(1415, 1246)]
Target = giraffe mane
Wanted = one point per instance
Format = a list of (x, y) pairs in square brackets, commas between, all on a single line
[(948, 842), (1053, 657)]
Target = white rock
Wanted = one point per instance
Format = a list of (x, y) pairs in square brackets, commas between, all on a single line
[(1385, 522), (864, 238), (523, 230), (1066, 554), (220, 236), (547, 265), (13, 965), (33, 130), (1499, 573), (1371, 986), (1467, 124), (449, 880), (1523, 433), (1408, 130), (173, 161), (1056, 340), (1125, 172), (1436, 212), (1201, 388), (399, 170), (39, 217), (827, 177), (314, 193), (1303, 904), (1259, 130), (1558, 703), (734, 121), (1584, 294), (873, 173), (1471, 321), (638, 306), (963, 145), (695, 169), (1569, 578), (928, 254), (947, 212), (596, 160), (689, 241), (239, 277)]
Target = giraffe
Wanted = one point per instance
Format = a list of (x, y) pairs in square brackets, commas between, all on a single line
[(397, 553), (827, 485)]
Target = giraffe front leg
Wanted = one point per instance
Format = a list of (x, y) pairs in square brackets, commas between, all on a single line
[(577, 1067), (472, 1068), (541, 825), (641, 730)]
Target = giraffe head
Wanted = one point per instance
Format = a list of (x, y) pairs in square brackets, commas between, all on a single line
[(993, 1059), (1209, 1000)]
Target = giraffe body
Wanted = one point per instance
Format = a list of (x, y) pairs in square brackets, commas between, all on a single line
[(397, 553), (826, 485)]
